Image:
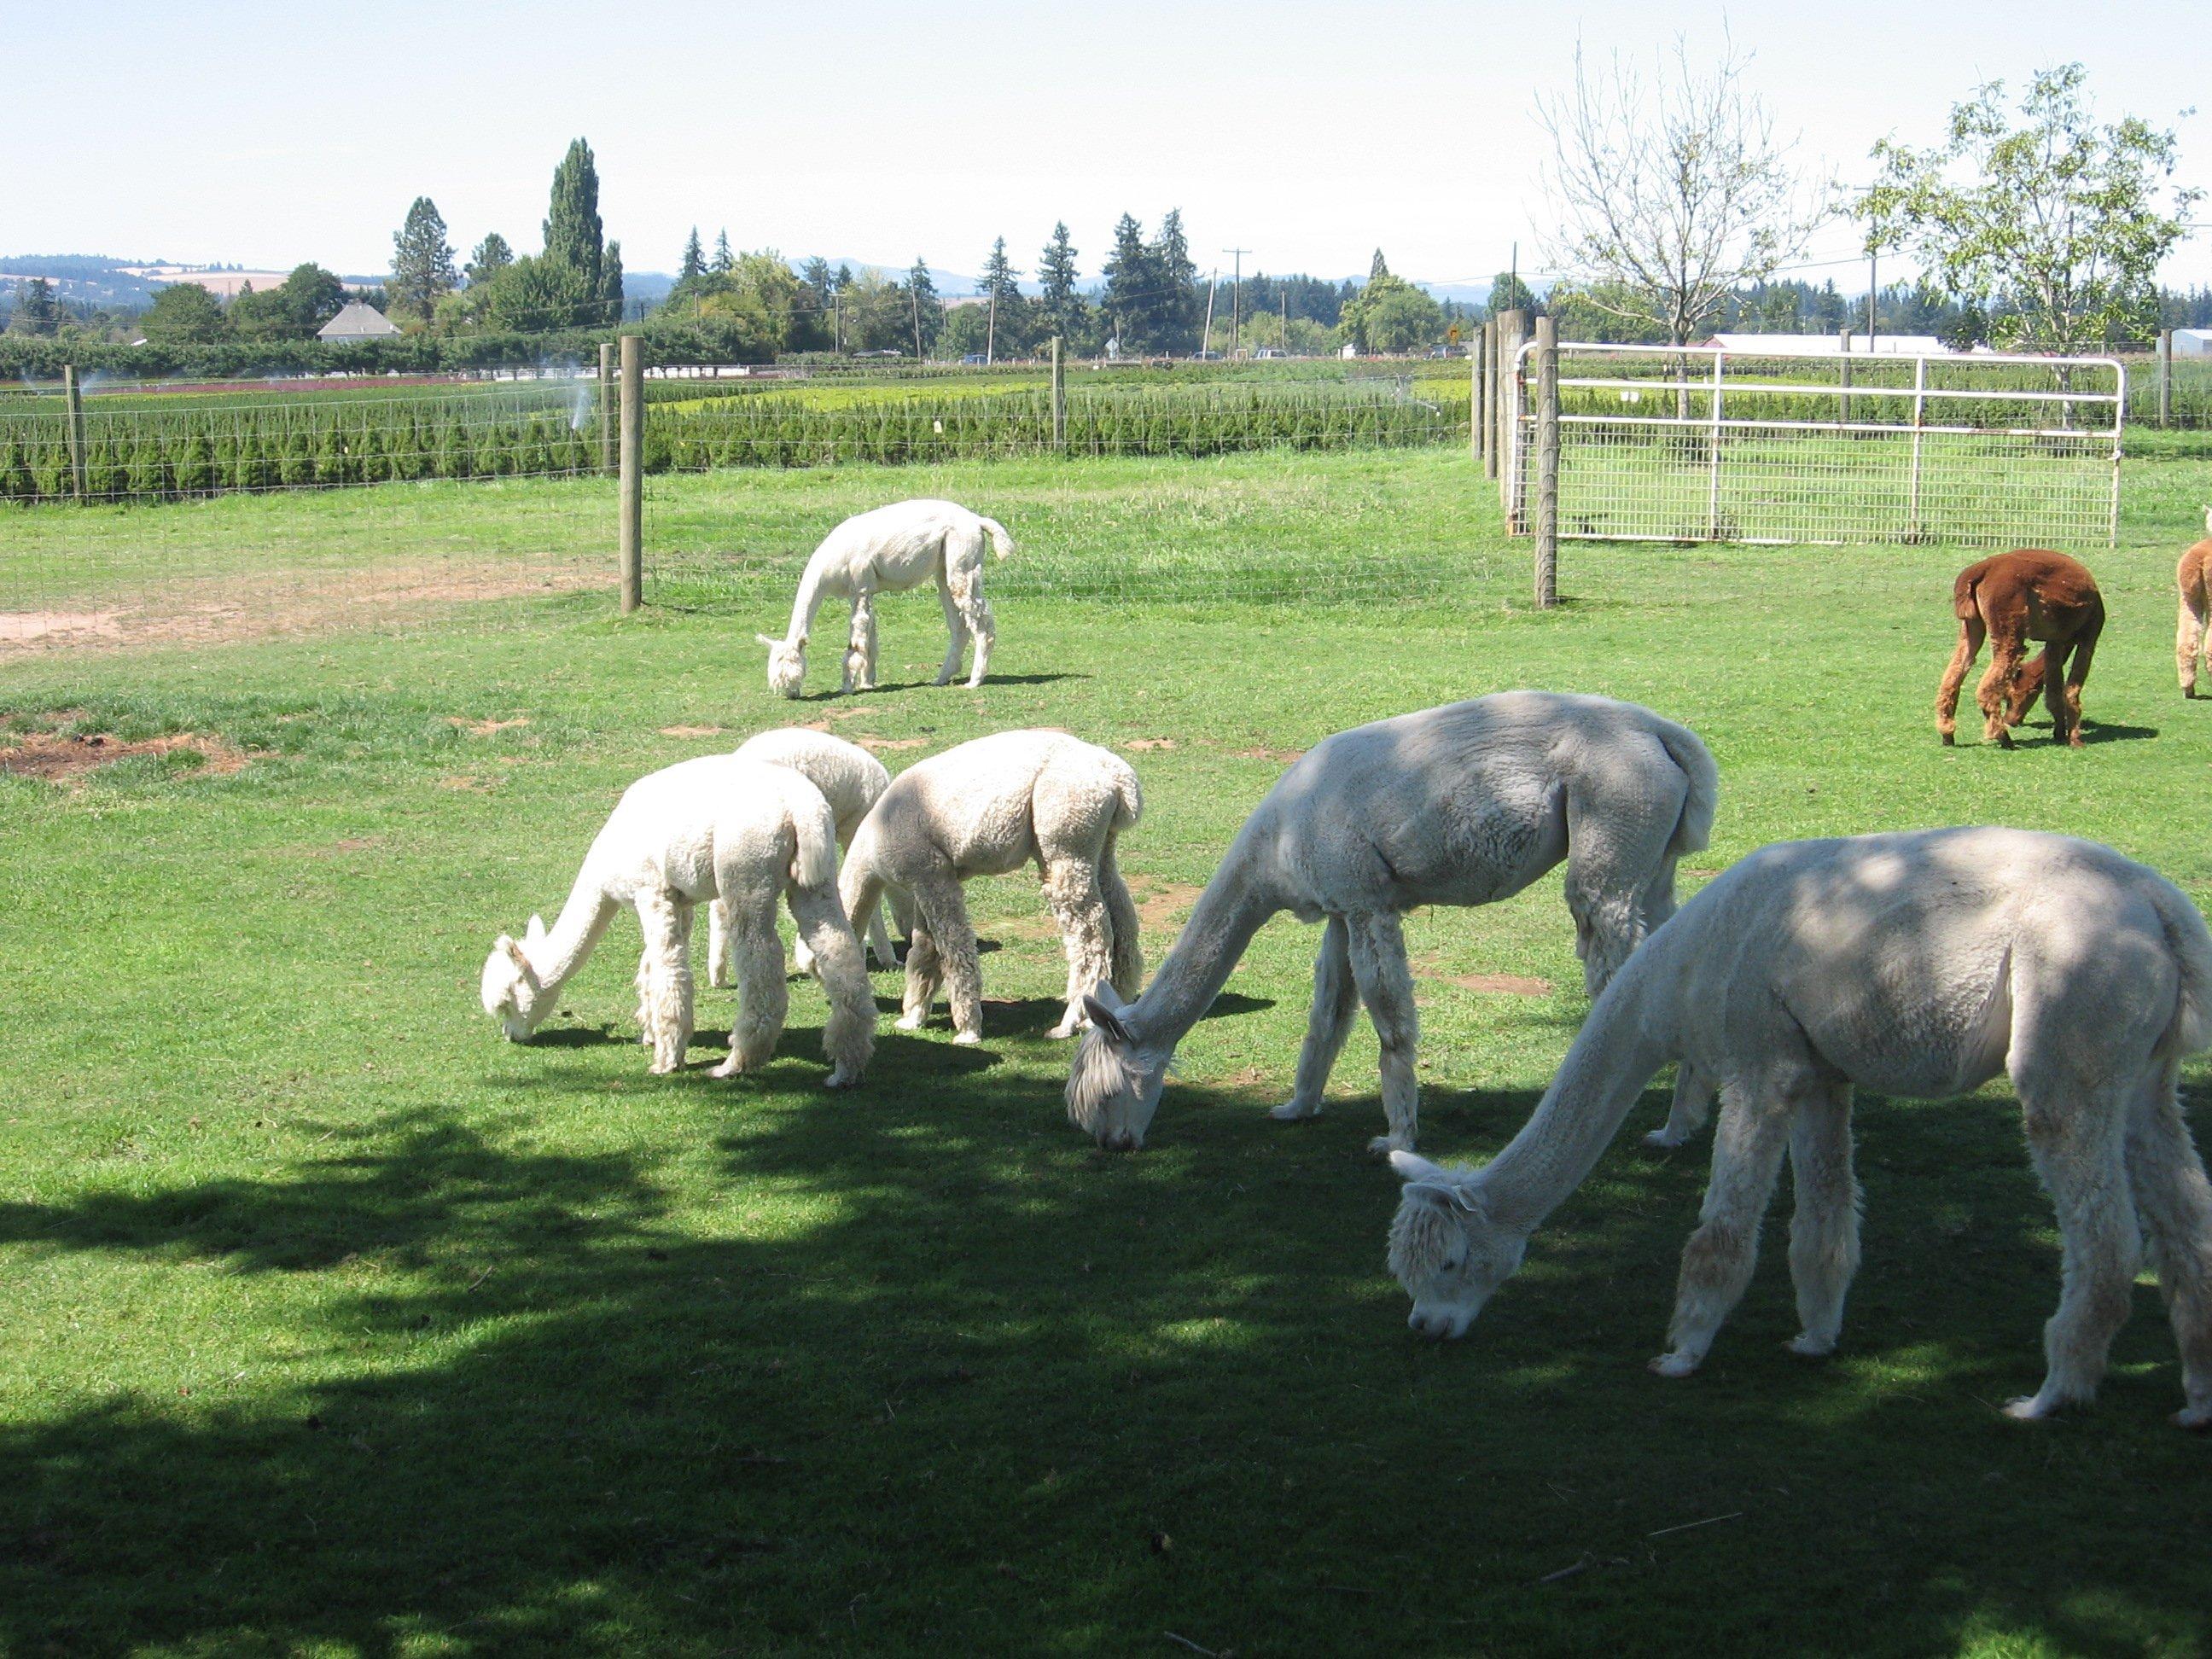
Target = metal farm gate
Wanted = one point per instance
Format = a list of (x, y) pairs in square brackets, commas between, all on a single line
[(1701, 444)]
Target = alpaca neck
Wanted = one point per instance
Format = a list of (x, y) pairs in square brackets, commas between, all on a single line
[(803, 607), (1227, 914), (1629, 1035), (568, 942)]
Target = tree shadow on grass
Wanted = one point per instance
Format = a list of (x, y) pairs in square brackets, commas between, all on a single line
[(914, 1368)]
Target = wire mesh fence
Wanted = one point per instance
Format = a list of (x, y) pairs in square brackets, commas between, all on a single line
[(1699, 444)]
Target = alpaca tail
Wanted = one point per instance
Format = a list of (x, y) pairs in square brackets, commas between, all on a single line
[(1688, 752), (1001, 542), (2191, 942), (1129, 805), (815, 862)]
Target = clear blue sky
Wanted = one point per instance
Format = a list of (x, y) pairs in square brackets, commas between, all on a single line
[(269, 134)]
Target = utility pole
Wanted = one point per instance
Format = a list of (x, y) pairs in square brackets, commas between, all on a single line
[(1872, 290), (837, 313), (1236, 296), (914, 294), (1206, 339), (1283, 294)]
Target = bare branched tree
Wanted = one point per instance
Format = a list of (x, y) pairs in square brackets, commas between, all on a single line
[(1672, 189)]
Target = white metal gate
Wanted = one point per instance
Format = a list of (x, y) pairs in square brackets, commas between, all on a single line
[(1699, 443)]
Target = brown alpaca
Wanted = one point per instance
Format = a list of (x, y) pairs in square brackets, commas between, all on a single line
[(2028, 594), (2192, 575)]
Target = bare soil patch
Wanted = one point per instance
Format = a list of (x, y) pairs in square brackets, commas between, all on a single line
[(485, 728), (68, 760), (1160, 903), (1281, 757), (690, 730), (1142, 743), (29, 627), (878, 746)]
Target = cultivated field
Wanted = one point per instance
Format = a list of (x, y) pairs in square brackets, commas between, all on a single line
[(330, 1323)]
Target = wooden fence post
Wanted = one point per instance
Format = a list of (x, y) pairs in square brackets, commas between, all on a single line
[(1059, 398), (633, 473), (1512, 333), (1547, 463), (1490, 399), (1474, 413), (73, 396), (2165, 375), (606, 406)]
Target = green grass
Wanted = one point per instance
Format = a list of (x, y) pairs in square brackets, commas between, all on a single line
[(333, 1325)]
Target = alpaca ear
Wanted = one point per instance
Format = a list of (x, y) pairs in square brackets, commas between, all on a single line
[(506, 942), (1107, 1017), (770, 643), (1435, 1183), (535, 932), (1411, 1167)]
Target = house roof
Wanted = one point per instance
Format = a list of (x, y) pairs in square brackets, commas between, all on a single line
[(358, 321)]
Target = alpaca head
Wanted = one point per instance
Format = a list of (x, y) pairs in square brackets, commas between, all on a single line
[(787, 664), (1114, 1084), (511, 993), (1446, 1247)]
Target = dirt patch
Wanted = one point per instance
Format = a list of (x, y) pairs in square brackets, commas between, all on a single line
[(68, 760), (1142, 743), (485, 728), (1498, 985), (1281, 757), (1161, 904), (878, 746), (27, 627), (1701, 875), (690, 730)]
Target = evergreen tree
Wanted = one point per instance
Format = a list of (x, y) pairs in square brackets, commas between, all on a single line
[(492, 256), (575, 240), (37, 311), (695, 259), (1059, 306), (1129, 284), (610, 287), (422, 261), (1177, 304), (725, 261), (929, 315), (1377, 266)]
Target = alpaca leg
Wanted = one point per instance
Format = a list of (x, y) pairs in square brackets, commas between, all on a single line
[(2078, 1150), (667, 974), (956, 635), (1994, 694), (2077, 672), (1954, 675), (1376, 947), (718, 943), (1693, 1105), (2050, 677), (983, 627), (1824, 1234), (860, 645), (924, 973), (763, 999), (880, 939), (848, 1037), (1072, 893), (1335, 999), (1125, 933), (2188, 641), (1717, 1263), (2175, 1203), (945, 912), (1617, 840)]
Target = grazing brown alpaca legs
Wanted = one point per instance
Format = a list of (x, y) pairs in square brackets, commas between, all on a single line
[(1947, 698), (1994, 694)]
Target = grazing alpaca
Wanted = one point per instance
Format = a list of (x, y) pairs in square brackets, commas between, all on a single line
[(2029, 594), (987, 808), (1917, 964), (887, 551), (716, 828), (1461, 804), (2193, 576), (852, 781)]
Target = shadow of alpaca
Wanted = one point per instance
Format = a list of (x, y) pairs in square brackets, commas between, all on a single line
[(960, 685), (782, 1381)]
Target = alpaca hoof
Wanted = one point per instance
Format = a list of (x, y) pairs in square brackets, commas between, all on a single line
[(1290, 1111), (1387, 1144), (1949, 741), (1065, 1029), (911, 1022), (942, 680), (1677, 1363), (843, 1079), (664, 1067), (2193, 1416), (1806, 1345), (2003, 739), (2028, 1408), (1663, 1140), (967, 1039)]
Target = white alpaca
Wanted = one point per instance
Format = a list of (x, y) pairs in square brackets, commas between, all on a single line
[(1461, 804), (851, 780), (716, 828), (889, 550), (1919, 965), (987, 808)]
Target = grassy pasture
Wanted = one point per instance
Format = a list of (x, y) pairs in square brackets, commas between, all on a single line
[(333, 1325)]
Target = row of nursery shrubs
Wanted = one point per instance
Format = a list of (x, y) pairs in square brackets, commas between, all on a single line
[(195, 450)]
